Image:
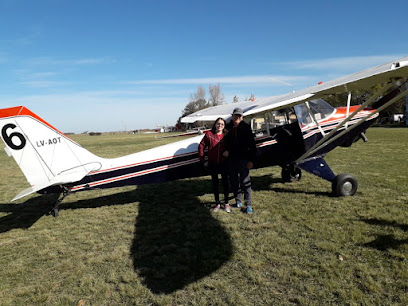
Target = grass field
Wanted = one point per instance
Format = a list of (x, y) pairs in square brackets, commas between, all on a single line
[(161, 245)]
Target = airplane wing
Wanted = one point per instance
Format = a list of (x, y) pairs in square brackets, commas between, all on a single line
[(361, 80)]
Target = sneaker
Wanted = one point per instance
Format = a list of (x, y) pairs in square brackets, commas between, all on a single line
[(227, 208), (249, 210), (238, 205), (216, 208)]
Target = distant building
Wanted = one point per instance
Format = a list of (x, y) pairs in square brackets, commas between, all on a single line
[(395, 118)]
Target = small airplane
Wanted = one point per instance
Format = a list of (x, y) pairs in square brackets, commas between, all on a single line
[(294, 131)]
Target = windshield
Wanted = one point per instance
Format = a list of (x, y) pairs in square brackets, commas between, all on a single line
[(320, 109)]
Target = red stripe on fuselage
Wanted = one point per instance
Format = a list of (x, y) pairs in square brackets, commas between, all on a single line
[(143, 162), (134, 174)]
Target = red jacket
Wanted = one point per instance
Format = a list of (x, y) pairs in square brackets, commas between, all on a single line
[(216, 147)]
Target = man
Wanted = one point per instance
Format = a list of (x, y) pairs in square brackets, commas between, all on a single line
[(241, 152)]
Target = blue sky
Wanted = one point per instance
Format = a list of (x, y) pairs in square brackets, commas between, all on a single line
[(114, 65)]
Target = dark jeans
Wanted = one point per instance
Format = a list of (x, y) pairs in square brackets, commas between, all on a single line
[(216, 169), (239, 177)]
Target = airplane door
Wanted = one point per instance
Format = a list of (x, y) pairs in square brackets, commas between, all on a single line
[(281, 128)]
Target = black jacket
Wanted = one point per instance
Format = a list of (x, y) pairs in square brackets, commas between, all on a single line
[(240, 142)]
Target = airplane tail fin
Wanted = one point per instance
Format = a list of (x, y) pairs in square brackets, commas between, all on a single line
[(46, 156)]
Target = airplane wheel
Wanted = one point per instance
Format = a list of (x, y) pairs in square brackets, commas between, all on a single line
[(291, 174), (55, 212), (344, 185)]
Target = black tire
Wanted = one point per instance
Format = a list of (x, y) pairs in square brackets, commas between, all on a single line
[(55, 212), (344, 185), (291, 174)]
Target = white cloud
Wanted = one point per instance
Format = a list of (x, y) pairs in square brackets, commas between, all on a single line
[(237, 80), (44, 83), (45, 74), (29, 37), (47, 61)]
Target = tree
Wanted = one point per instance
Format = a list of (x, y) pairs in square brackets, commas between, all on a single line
[(201, 104), (190, 108), (216, 96), (360, 96), (197, 102), (357, 97), (251, 98), (199, 95)]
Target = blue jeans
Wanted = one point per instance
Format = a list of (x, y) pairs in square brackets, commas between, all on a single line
[(240, 180)]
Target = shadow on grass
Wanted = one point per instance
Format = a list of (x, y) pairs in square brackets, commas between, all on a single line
[(385, 242), (266, 182), (24, 215), (317, 193), (374, 221), (177, 241)]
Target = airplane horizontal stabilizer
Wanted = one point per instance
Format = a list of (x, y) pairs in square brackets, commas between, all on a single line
[(67, 177), (24, 193)]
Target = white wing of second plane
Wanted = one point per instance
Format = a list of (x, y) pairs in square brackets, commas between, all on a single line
[(361, 80)]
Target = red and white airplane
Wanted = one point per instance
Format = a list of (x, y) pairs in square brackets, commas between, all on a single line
[(294, 131)]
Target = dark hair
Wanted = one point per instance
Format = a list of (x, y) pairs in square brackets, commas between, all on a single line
[(213, 130)]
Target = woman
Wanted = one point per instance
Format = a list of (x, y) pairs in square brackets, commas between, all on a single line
[(214, 142)]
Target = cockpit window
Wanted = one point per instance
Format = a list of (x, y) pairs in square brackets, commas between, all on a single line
[(262, 123), (320, 109)]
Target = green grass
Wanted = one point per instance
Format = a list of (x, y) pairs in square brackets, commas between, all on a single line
[(161, 245)]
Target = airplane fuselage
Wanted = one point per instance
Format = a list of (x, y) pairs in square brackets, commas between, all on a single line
[(281, 146)]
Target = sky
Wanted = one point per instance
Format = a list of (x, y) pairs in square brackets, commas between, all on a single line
[(123, 65)]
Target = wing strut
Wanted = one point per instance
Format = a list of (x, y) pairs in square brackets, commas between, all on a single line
[(324, 142), (348, 108)]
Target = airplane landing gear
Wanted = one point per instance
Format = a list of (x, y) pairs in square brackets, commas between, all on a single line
[(344, 185), (54, 210), (291, 174)]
